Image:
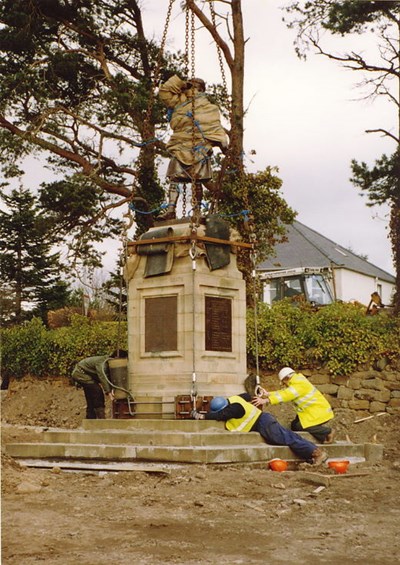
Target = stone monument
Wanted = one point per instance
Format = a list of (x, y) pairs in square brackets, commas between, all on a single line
[(186, 315)]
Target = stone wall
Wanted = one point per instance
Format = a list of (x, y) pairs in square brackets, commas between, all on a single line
[(366, 391)]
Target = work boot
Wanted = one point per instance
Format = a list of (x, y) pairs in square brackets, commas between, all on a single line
[(100, 413), (330, 437), (170, 212), (319, 456)]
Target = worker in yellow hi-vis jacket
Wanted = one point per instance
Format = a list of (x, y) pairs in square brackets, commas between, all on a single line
[(312, 408)]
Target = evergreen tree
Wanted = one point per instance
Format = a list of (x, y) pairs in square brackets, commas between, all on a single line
[(52, 298), (78, 83), (380, 69), (31, 271), (115, 293)]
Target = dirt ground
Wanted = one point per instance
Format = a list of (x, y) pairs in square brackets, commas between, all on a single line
[(192, 514)]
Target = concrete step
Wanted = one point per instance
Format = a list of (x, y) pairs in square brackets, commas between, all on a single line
[(155, 425), (150, 438), (176, 441), (197, 454)]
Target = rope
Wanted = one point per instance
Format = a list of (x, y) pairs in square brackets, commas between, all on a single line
[(137, 211), (244, 213), (122, 261), (120, 303), (257, 390)]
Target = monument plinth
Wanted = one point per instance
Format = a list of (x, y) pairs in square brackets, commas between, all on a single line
[(186, 316)]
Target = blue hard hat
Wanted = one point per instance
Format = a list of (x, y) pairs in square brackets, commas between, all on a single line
[(218, 403)]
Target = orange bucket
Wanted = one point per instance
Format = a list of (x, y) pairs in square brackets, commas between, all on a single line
[(278, 465), (339, 467)]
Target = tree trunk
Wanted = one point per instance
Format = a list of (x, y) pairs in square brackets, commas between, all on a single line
[(237, 86), (236, 67)]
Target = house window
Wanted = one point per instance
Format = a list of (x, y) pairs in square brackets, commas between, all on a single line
[(379, 289)]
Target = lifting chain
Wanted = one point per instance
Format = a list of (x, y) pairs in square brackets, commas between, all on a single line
[(190, 58), (184, 200), (123, 257), (156, 73), (148, 133), (193, 251), (221, 63), (193, 255), (225, 163), (187, 33)]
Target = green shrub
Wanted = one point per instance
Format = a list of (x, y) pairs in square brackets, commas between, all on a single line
[(83, 338), (33, 349), (339, 337), (25, 349)]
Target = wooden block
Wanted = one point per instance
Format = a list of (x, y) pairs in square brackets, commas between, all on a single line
[(326, 480)]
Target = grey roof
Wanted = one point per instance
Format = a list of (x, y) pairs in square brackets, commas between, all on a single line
[(308, 248)]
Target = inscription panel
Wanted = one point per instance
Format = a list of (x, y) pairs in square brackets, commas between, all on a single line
[(161, 324), (218, 323)]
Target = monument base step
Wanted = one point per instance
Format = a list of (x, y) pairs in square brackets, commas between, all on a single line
[(161, 441)]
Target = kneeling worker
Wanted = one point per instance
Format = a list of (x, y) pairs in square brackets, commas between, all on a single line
[(312, 408), (242, 416), (92, 374)]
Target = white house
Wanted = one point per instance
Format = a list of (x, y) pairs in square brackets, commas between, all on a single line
[(321, 270)]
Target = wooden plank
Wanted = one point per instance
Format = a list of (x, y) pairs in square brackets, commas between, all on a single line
[(326, 480), (192, 237), (98, 466)]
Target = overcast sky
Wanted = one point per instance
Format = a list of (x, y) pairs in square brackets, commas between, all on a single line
[(305, 118)]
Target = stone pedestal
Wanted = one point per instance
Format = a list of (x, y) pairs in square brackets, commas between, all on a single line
[(186, 328)]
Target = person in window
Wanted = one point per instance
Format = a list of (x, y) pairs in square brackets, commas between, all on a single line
[(286, 291), (289, 291)]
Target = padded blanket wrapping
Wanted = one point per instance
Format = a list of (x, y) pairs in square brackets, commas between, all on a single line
[(218, 255), (159, 256)]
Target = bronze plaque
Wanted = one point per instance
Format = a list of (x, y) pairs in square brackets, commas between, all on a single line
[(161, 324), (218, 324)]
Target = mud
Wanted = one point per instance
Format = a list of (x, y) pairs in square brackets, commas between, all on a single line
[(192, 514)]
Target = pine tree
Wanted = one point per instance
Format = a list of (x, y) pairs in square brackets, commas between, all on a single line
[(380, 69), (115, 292), (31, 271)]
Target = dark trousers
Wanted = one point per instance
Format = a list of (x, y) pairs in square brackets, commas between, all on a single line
[(319, 432), (275, 434), (95, 405)]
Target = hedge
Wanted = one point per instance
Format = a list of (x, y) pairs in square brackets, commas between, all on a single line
[(338, 337), (33, 349)]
